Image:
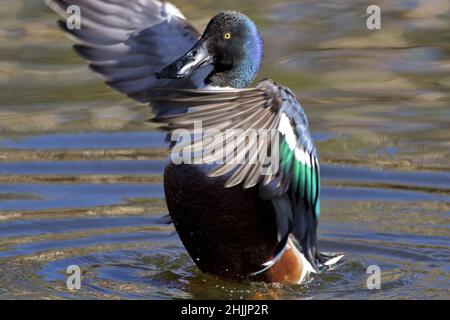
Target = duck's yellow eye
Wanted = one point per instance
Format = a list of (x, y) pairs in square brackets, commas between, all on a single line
[(227, 36)]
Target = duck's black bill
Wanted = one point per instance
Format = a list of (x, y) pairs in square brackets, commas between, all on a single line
[(195, 58)]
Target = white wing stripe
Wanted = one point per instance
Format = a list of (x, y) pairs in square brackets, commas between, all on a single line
[(286, 129)]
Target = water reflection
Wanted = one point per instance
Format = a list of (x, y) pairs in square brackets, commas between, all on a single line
[(80, 171)]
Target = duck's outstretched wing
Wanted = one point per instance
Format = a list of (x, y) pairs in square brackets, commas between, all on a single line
[(126, 41), (273, 114)]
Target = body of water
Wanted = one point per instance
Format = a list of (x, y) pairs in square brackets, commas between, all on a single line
[(81, 169)]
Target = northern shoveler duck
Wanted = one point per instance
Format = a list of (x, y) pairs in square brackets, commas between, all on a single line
[(234, 221)]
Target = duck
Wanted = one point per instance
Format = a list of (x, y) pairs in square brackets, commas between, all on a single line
[(255, 219)]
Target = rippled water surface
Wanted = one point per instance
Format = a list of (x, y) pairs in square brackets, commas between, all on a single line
[(81, 171)]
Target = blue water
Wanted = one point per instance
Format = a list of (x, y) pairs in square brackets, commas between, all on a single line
[(377, 104)]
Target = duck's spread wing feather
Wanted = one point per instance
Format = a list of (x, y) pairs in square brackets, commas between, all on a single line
[(127, 41), (270, 111)]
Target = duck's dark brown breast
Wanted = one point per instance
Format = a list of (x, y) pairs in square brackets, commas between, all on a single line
[(228, 232)]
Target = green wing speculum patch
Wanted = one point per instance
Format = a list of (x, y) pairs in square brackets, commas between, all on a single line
[(302, 167)]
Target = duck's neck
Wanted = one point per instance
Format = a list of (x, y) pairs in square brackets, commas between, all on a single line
[(237, 77), (242, 73)]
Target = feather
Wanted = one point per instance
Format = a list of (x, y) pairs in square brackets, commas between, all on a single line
[(127, 41), (267, 107)]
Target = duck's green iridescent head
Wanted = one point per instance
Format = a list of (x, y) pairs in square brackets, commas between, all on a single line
[(232, 44)]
